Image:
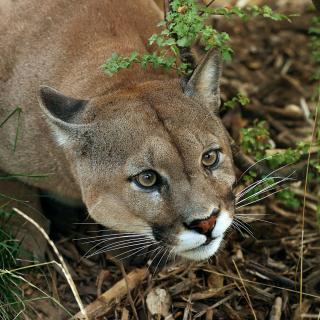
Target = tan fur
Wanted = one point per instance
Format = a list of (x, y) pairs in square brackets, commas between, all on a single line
[(138, 119)]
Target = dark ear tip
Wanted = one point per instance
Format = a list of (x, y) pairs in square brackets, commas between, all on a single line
[(55, 104), (44, 89), (44, 92)]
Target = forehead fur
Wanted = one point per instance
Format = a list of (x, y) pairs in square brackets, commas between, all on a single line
[(129, 119)]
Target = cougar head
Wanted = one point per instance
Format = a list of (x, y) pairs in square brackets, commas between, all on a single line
[(154, 159)]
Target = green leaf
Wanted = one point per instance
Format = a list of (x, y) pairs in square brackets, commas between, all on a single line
[(183, 28), (289, 199), (183, 42), (240, 98)]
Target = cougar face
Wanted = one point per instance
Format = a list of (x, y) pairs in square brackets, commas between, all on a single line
[(153, 159)]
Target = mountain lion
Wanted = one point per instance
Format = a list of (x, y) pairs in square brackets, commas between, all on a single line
[(144, 151)]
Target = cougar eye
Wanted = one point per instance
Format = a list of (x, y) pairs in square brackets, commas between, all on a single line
[(210, 158), (146, 179)]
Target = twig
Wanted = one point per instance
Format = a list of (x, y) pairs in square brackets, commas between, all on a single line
[(271, 275), (207, 6), (217, 304), (245, 289), (276, 309), (210, 293), (210, 3), (125, 314), (124, 274), (104, 303)]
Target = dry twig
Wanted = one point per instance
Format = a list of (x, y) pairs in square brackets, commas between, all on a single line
[(104, 303)]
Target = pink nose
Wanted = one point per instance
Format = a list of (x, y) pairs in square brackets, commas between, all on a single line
[(207, 225), (204, 226)]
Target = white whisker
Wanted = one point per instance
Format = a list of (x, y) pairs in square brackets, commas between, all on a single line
[(241, 224), (268, 157), (272, 186), (135, 252), (106, 237), (276, 170), (118, 245), (129, 241), (158, 250), (269, 195), (237, 228), (252, 214), (253, 185), (164, 253), (168, 256), (114, 224), (262, 220), (102, 241)]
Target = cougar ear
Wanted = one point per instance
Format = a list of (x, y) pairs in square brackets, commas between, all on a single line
[(62, 113), (204, 82), (58, 106)]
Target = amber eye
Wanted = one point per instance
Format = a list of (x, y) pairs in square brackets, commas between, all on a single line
[(210, 158), (147, 179)]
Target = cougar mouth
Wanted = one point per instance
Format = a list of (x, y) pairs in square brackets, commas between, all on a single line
[(204, 251), (209, 240), (195, 246)]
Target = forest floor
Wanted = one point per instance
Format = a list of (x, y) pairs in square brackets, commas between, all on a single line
[(251, 277)]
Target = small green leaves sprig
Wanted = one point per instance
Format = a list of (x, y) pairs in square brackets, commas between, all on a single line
[(240, 99), (255, 140), (185, 23), (250, 11)]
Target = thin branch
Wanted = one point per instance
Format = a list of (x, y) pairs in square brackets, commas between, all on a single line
[(103, 304), (245, 289)]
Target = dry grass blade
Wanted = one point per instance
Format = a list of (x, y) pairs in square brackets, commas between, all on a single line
[(313, 137), (244, 288), (63, 264)]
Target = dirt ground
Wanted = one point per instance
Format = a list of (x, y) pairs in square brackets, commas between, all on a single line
[(251, 277)]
